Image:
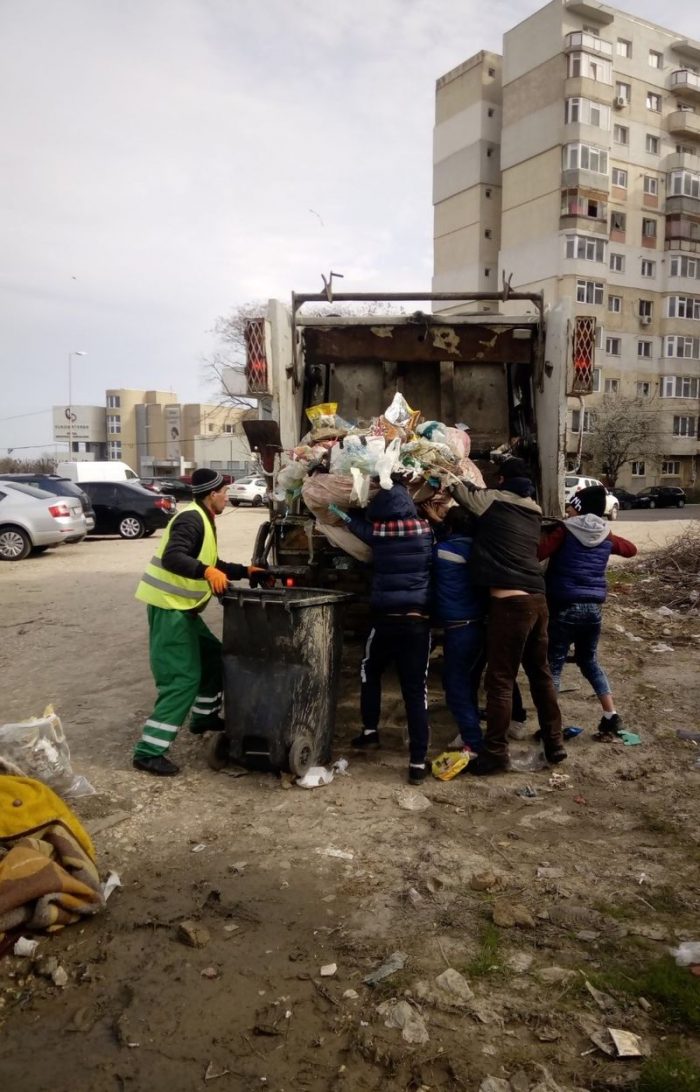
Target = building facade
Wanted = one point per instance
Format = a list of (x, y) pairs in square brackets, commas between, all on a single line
[(575, 159)]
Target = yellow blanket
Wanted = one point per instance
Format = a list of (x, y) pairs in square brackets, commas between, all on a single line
[(48, 875)]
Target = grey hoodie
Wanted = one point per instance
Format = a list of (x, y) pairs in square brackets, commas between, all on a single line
[(590, 530)]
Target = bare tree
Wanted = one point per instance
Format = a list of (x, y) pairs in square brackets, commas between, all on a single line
[(42, 464), (230, 352), (623, 429)]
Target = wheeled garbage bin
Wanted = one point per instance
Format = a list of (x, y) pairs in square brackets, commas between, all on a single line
[(281, 652)]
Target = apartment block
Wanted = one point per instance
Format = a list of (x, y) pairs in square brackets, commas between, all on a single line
[(594, 184)]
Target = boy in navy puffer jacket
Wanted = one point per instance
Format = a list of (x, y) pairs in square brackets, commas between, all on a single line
[(578, 553), (400, 600)]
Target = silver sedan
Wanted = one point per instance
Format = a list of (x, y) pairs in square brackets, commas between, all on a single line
[(31, 520)]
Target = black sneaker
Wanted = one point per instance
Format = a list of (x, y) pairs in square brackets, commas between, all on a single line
[(158, 765), (554, 753), (484, 765), (367, 741), (610, 726), (417, 772), (211, 724)]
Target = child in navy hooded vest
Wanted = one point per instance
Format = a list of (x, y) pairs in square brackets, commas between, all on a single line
[(578, 553)]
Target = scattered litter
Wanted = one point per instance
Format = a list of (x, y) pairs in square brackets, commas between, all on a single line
[(399, 1014), (627, 634), (351, 995), (687, 953), (328, 970), (527, 792), (630, 739), (199, 847), (507, 915), (455, 985), (211, 1073), (59, 977), (666, 612), (38, 747), (231, 928), (626, 1043), (644, 1004), (322, 775), (529, 762), (661, 647), (410, 800), (414, 896), (603, 1000), (571, 731), (25, 947), (559, 781), (395, 962), (209, 972), (450, 763), (192, 934), (331, 851), (111, 883)]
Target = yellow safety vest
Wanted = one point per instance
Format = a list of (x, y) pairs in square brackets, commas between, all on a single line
[(161, 588)]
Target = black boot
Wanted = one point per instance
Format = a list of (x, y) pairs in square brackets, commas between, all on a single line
[(609, 727), (367, 741), (158, 765), (484, 765), (417, 772)]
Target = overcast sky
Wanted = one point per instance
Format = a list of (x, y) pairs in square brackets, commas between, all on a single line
[(159, 161)]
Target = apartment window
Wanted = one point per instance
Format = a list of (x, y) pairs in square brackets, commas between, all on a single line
[(489, 153), (595, 387), (210, 428), (612, 386), (591, 68), (585, 249), (679, 386), (490, 111), (684, 267), (621, 134), (114, 449), (683, 426), (687, 307), (114, 423), (613, 346), (589, 292), (618, 221), (653, 102), (648, 228), (588, 421), (644, 349), (623, 91), (113, 401), (685, 149), (492, 72), (645, 309), (643, 389), (652, 144), (617, 263), (588, 157), (648, 268), (487, 233), (599, 332), (639, 469), (615, 304), (487, 193), (686, 347), (651, 186), (587, 112), (575, 203), (487, 272), (655, 59), (624, 47), (684, 184), (670, 468), (619, 178)]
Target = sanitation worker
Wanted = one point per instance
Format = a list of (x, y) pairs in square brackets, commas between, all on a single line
[(185, 655)]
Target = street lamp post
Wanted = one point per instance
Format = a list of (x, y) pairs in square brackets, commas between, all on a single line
[(76, 352)]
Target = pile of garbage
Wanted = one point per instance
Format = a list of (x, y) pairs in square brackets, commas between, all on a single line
[(671, 575), (338, 462)]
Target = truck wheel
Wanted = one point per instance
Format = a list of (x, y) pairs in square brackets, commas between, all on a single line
[(217, 751), (131, 527), (14, 544), (301, 755), (260, 543)]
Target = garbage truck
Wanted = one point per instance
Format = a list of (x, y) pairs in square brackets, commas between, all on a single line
[(503, 375)]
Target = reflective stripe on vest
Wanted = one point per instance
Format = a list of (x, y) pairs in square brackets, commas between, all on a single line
[(161, 588)]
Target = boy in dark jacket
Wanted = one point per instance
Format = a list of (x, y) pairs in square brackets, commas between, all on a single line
[(578, 553), (402, 552)]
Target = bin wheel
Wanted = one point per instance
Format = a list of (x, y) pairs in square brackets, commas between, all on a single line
[(301, 755), (217, 751)]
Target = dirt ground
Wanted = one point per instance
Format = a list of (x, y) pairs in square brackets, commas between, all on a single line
[(604, 869)]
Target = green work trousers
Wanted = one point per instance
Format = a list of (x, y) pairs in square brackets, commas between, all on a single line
[(186, 664)]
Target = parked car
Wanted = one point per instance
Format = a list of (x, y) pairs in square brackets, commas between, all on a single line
[(660, 496), (172, 486), (574, 483), (128, 508), (31, 520), (251, 490), (89, 470), (59, 487), (627, 500)]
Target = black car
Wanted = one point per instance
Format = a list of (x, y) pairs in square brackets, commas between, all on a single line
[(128, 508), (60, 487), (173, 487), (627, 500), (660, 496)]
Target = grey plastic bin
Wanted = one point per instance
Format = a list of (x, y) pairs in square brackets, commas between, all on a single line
[(281, 651)]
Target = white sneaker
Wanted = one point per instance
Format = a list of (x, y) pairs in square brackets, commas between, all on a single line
[(517, 729)]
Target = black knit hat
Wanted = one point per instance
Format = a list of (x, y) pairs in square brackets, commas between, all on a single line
[(205, 481), (589, 500), (513, 468)]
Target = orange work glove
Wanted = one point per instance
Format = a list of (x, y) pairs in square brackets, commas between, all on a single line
[(259, 577), (217, 581)]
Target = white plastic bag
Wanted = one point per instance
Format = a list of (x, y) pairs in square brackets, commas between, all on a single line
[(387, 463), (38, 746)]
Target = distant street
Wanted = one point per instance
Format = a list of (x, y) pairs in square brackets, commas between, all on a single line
[(644, 515)]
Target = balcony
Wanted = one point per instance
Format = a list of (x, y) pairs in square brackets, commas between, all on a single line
[(685, 82), (589, 43), (680, 202), (684, 123)]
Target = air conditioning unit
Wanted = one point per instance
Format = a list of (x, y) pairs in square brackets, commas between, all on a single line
[(645, 320), (619, 102)]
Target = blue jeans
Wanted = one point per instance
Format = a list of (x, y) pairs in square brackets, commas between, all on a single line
[(463, 663), (578, 624)]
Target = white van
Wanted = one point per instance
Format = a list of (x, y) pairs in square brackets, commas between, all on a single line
[(112, 471)]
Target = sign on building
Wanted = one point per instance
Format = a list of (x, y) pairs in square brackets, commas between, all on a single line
[(173, 431), (89, 424)]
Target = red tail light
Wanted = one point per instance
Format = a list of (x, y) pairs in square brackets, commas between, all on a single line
[(59, 510), (163, 502), (289, 582)]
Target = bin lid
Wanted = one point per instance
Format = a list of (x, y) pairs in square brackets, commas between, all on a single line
[(289, 598)]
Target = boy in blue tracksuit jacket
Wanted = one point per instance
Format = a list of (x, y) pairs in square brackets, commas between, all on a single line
[(578, 552), (461, 610), (400, 599)]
